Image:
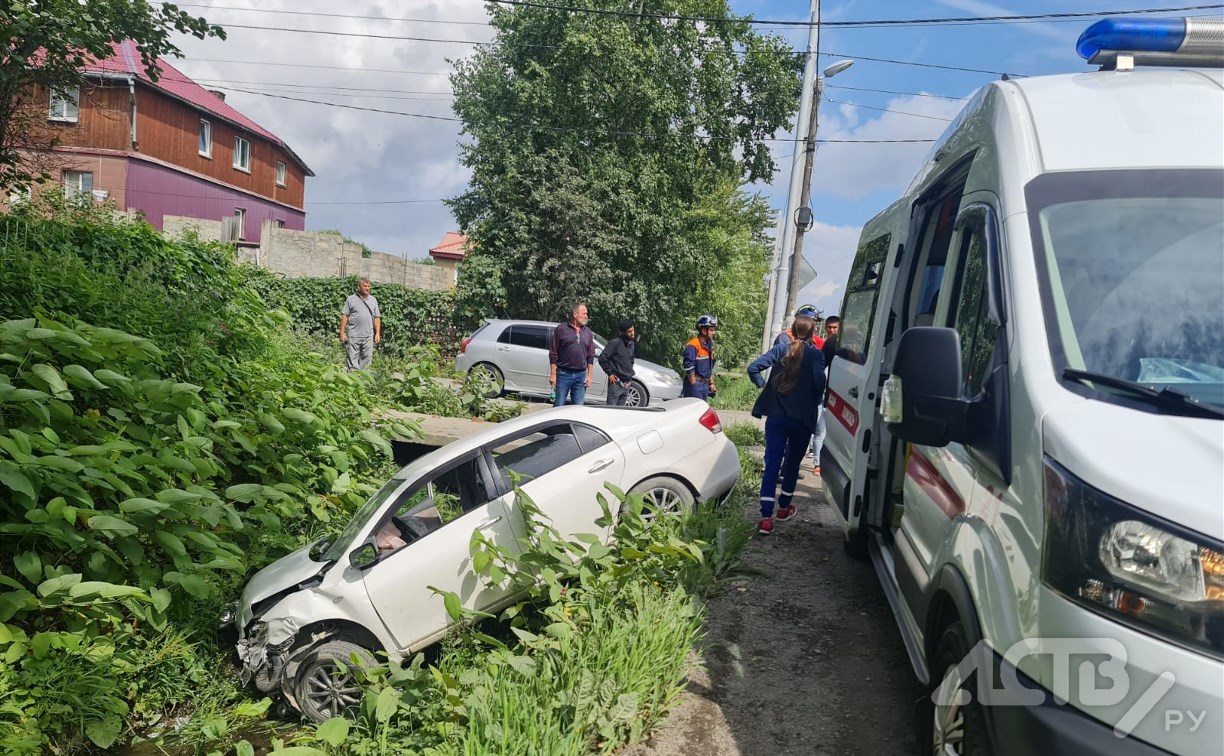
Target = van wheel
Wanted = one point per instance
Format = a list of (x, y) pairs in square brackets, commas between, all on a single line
[(666, 496), (955, 724), (855, 543), (490, 376), (327, 685), (636, 395)]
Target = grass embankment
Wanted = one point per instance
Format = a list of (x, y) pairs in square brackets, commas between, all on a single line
[(163, 433)]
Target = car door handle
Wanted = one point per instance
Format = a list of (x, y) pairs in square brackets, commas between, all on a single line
[(489, 523), (602, 464), (854, 391), (503, 349)]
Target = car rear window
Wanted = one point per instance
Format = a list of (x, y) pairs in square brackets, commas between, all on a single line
[(532, 337), (535, 454)]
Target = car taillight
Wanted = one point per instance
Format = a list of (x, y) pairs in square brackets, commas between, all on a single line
[(711, 422), (463, 346)]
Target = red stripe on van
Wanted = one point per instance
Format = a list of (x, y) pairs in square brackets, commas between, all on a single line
[(842, 412), (923, 473)]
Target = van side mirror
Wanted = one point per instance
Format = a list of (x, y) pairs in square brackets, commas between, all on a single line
[(364, 556), (928, 368)]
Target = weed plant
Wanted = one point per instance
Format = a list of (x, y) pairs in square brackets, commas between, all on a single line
[(745, 434), (735, 392)]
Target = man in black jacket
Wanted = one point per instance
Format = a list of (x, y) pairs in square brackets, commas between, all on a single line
[(617, 362)]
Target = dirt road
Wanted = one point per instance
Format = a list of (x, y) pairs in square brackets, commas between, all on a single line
[(801, 657)]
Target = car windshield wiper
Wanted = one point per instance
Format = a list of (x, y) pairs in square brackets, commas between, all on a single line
[(1167, 397)]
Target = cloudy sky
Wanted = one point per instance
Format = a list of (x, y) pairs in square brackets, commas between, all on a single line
[(380, 175)]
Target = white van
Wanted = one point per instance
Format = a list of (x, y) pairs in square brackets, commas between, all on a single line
[(1027, 406)]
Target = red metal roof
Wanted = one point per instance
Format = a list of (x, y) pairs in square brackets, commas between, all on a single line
[(175, 83), (452, 247)]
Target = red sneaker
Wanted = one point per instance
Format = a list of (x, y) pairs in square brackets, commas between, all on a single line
[(766, 526), (816, 470), (785, 513)]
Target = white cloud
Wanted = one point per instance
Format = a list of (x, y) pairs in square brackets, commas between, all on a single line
[(830, 250), (852, 171), (357, 156), (980, 8)]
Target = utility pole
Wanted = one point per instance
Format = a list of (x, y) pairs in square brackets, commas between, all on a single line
[(776, 306), (809, 155)]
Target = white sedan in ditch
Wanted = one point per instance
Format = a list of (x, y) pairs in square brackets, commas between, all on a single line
[(369, 589)]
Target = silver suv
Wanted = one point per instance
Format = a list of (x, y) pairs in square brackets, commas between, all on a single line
[(514, 355)]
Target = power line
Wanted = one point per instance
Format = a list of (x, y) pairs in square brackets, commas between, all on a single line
[(893, 91), (850, 24), (543, 127), (335, 15), (381, 202), (332, 68), (364, 35), (920, 65), (889, 110)]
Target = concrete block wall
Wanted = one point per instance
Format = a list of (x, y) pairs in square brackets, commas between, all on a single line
[(310, 254), (176, 226)]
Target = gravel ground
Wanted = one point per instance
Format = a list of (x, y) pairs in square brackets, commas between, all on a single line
[(801, 655)]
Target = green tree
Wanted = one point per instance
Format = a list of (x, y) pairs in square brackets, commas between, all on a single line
[(601, 151), (47, 45)]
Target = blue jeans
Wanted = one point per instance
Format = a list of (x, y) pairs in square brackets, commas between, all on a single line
[(819, 436), (571, 387), (786, 438)]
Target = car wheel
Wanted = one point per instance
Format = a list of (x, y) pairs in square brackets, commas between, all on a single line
[(636, 395), (666, 496), (956, 725), (327, 686), (490, 375)]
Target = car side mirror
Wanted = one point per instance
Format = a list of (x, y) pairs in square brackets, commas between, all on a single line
[(921, 401), (363, 557)]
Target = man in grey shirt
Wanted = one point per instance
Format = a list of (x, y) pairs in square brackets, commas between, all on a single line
[(360, 327)]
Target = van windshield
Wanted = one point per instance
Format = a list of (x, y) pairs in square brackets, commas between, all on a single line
[(1134, 276)]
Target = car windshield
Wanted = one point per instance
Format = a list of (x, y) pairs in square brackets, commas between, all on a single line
[(340, 543), (1134, 269)]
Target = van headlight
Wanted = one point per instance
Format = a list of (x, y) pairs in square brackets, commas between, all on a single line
[(1131, 566), (228, 614)]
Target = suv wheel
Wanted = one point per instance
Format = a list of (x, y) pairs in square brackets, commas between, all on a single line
[(327, 685)]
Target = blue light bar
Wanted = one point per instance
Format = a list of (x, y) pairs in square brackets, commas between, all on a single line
[(1161, 35)]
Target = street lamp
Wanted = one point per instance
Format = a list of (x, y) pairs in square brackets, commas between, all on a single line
[(806, 186)]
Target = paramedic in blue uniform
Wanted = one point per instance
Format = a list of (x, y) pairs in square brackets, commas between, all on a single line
[(699, 360)]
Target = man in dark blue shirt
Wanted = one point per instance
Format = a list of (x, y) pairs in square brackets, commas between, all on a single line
[(571, 358)]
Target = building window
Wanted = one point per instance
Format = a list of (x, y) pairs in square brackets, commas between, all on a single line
[(77, 182), (279, 223), (65, 104), (205, 138), (280, 173), (242, 154), (240, 221)]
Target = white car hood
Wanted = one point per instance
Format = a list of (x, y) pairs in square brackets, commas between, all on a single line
[(1171, 467), (286, 572)]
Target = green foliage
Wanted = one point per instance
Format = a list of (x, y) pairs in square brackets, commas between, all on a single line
[(413, 382), (735, 392), (148, 459), (62, 36), (745, 434), (410, 317), (644, 131)]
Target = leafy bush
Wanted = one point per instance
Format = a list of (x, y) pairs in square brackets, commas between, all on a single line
[(745, 434), (161, 433), (410, 317), (735, 392)]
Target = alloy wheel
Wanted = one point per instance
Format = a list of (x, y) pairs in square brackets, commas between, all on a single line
[(332, 689), (948, 727)]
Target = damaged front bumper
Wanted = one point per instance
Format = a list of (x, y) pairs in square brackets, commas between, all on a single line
[(264, 651)]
